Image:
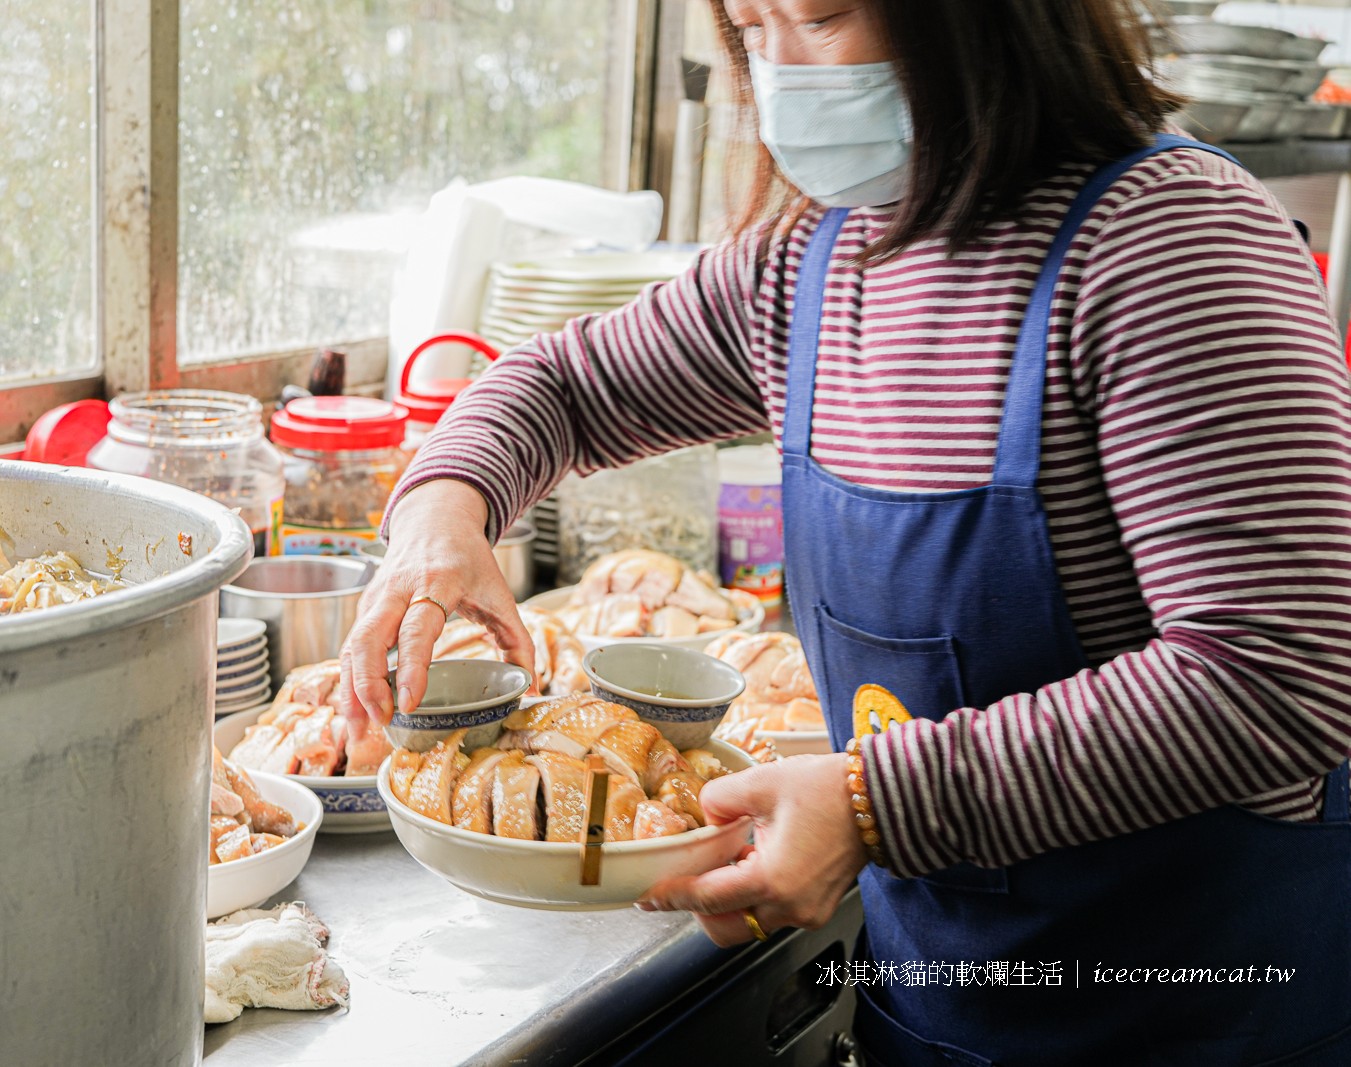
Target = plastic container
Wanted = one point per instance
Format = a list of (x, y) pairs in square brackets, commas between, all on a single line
[(342, 456), (667, 503), (750, 521), (427, 401), (206, 441)]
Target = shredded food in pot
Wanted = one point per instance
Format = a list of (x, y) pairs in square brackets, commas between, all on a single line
[(48, 580)]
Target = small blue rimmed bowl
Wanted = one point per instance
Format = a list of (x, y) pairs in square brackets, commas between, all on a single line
[(683, 693), (462, 694)]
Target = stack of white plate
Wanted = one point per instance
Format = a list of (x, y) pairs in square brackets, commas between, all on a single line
[(242, 680), (541, 295)]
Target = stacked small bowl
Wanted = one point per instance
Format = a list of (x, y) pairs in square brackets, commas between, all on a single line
[(1244, 83), (242, 666)]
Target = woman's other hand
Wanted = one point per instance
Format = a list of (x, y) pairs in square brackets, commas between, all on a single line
[(806, 855), (437, 550)]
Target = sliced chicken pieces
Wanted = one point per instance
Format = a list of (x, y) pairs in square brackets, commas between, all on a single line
[(258, 745), (365, 754), (625, 748), (264, 816), (516, 798), (472, 801), (432, 787), (236, 844), (621, 806), (262, 842), (569, 725), (563, 780), (638, 751), (224, 800), (317, 683), (706, 765), (316, 754), (652, 818), (672, 622), (680, 792), (699, 597), (220, 826), (403, 768)]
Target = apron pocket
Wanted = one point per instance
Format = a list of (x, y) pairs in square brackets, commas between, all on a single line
[(921, 671), (924, 673)]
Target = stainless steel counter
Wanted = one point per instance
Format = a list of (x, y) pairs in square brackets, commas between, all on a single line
[(442, 977)]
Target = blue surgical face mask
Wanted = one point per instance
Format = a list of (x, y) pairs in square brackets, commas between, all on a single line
[(841, 134)]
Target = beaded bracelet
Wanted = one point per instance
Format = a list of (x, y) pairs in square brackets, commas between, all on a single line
[(863, 807)]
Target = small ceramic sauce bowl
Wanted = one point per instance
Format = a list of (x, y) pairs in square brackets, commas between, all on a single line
[(683, 693), (471, 694)]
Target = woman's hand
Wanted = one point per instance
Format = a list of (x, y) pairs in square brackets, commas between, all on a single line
[(437, 548), (807, 850)]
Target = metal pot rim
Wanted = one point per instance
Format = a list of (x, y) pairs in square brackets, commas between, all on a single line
[(142, 601)]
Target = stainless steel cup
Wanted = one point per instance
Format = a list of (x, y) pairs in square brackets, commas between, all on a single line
[(514, 553), (307, 602)]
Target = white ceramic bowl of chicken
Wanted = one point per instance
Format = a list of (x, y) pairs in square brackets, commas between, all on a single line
[(244, 882), (351, 805), (750, 617), (547, 875)]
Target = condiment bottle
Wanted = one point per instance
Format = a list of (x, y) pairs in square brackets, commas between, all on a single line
[(207, 441), (342, 456), (750, 521)]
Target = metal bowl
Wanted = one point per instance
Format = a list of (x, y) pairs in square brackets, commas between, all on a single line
[(1324, 121), (1221, 38), (1303, 48), (1259, 123), (1188, 8), (1211, 120), (1190, 73)]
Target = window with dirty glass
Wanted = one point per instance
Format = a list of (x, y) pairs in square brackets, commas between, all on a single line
[(47, 240), (311, 136)]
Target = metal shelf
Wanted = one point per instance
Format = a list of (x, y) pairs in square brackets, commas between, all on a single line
[(1284, 159)]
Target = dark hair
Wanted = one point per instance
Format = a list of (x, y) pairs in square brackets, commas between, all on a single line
[(1002, 92)]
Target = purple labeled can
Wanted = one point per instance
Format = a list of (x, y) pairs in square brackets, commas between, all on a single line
[(750, 522)]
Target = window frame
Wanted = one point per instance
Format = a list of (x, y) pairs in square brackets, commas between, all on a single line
[(135, 245)]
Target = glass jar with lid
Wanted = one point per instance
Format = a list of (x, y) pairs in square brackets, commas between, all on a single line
[(207, 441), (341, 457)]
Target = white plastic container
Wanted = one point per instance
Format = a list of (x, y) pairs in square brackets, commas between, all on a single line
[(750, 521)]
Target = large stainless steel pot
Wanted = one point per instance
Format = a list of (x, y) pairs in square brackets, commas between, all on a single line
[(105, 770)]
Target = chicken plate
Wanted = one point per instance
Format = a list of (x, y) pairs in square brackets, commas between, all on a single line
[(532, 785)]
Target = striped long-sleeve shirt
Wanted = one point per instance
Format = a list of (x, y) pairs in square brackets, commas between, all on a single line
[(1196, 473)]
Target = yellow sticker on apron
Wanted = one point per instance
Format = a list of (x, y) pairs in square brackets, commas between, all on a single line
[(875, 709)]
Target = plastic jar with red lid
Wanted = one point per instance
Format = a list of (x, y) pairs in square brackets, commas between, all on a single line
[(341, 456), (428, 400)]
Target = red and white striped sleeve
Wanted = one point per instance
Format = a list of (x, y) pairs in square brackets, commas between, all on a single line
[(1206, 365)]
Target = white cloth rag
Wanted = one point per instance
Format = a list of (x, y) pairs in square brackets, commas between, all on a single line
[(270, 958)]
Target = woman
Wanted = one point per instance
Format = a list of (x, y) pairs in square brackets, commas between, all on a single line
[(1065, 432)]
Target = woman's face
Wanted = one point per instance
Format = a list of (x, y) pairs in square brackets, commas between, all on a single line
[(809, 32)]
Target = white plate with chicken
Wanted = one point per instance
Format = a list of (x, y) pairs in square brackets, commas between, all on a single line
[(640, 595), (304, 738), (507, 822)]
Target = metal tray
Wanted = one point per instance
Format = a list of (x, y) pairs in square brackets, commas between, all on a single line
[(1222, 38)]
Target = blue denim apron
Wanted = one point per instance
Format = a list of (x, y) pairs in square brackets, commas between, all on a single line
[(951, 600)]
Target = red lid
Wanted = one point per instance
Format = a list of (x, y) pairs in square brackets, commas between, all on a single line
[(432, 398), (339, 423), (428, 400), (66, 434)]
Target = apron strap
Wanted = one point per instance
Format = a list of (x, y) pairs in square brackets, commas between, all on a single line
[(805, 332), (1018, 455), (1337, 794)]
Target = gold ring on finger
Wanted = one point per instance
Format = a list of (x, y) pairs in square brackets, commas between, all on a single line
[(430, 600), (753, 924)]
